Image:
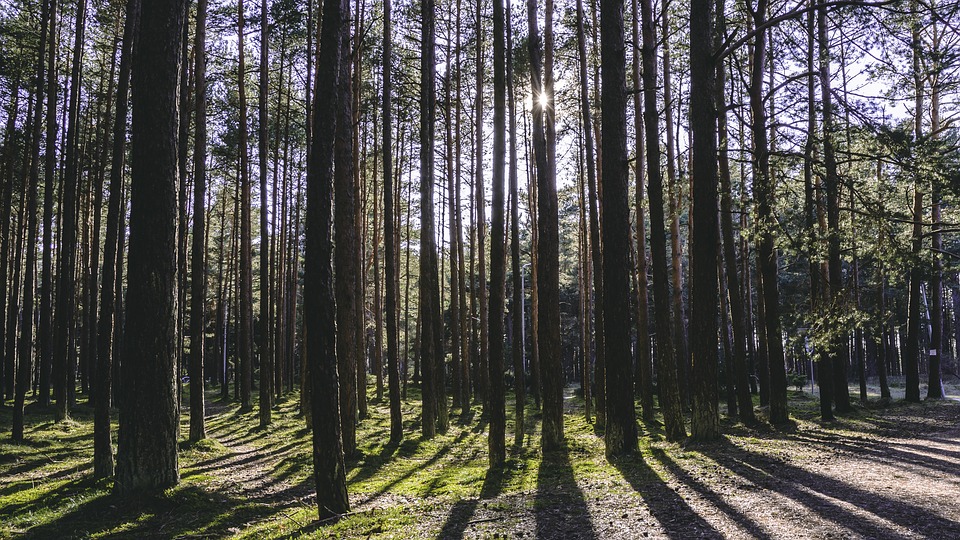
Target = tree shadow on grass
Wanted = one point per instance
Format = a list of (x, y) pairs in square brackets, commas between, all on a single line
[(184, 511), (463, 510), (676, 517), (560, 505)]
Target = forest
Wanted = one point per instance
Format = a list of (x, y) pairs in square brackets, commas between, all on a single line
[(479, 269)]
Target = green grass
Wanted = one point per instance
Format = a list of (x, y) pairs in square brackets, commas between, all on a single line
[(247, 482)]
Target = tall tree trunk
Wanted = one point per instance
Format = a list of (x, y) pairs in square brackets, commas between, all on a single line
[(516, 309), (431, 334), (198, 280), (497, 415), (319, 301), (934, 366), (245, 344), (705, 425), (345, 247), (482, 379), (147, 451), (621, 430), (838, 343), (266, 341), (766, 249), (50, 164), (67, 256), (669, 393), (26, 334), (643, 375), (673, 194), (393, 358), (596, 256)]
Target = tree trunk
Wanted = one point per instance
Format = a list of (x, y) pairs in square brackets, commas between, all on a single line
[(666, 364), (198, 281), (266, 340), (705, 237), (393, 359), (319, 301), (245, 344), (346, 247), (147, 451)]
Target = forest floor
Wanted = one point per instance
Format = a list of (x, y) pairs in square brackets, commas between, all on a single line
[(880, 472)]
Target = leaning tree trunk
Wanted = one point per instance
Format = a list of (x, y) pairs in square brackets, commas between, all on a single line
[(147, 449)]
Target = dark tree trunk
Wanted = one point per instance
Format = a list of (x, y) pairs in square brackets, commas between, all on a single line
[(147, 451), (643, 374), (704, 241), (596, 257), (393, 358), (666, 364), (245, 304), (738, 363), (766, 249), (50, 165), (621, 430), (516, 309), (838, 347), (266, 324), (431, 333), (496, 397), (198, 281), (319, 302), (346, 247), (30, 219), (67, 256)]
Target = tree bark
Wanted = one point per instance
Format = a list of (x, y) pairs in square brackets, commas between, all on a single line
[(198, 280), (147, 451), (319, 301)]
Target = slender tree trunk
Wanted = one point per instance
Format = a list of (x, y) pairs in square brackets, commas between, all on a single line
[(30, 219), (50, 164), (766, 249), (643, 375), (147, 452), (266, 344), (738, 363), (198, 280), (245, 344), (482, 380), (596, 255), (345, 247), (393, 359), (669, 393), (516, 309)]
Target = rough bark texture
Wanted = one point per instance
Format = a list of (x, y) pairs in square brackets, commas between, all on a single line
[(666, 365), (147, 449), (393, 353), (497, 409), (346, 247), (705, 237), (198, 279), (319, 302), (266, 343), (621, 430)]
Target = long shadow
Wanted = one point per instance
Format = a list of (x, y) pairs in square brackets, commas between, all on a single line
[(802, 486), (560, 506), (463, 510), (189, 511), (747, 524), (676, 517), (886, 452)]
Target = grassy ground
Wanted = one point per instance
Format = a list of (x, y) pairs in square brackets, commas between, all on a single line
[(879, 472)]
